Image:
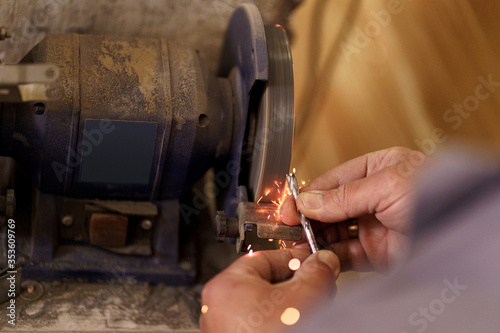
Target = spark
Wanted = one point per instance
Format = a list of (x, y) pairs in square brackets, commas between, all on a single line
[(249, 247), (303, 182), (268, 216), (283, 244), (290, 316), (293, 170), (259, 200), (204, 309), (277, 184), (250, 252), (271, 240), (294, 264), (267, 192)]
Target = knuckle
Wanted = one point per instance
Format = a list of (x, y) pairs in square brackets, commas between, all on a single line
[(407, 159), (399, 151), (408, 163), (417, 158), (392, 180), (338, 199), (406, 155)]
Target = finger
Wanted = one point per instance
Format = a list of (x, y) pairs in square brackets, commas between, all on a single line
[(370, 195), (302, 245), (342, 174), (288, 212), (351, 255), (364, 166), (314, 279), (332, 233), (316, 227), (268, 265)]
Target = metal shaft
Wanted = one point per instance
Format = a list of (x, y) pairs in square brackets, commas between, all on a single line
[(306, 222)]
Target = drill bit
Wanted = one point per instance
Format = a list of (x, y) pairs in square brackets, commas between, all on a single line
[(306, 222)]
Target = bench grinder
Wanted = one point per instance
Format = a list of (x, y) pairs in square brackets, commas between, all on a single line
[(113, 132)]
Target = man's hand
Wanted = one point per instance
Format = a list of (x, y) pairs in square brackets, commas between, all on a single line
[(376, 190), (252, 294)]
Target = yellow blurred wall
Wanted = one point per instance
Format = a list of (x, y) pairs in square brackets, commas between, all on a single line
[(377, 73)]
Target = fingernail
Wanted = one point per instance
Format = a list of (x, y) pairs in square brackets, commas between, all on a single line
[(312, 199), (329, 258)]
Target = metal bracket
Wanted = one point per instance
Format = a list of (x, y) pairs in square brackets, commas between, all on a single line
[(256, 224), (105, 223), (29, 82)]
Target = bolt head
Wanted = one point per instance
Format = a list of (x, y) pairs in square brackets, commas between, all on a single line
[(220, 226), (50, 73), (67, 220), (146, 224)]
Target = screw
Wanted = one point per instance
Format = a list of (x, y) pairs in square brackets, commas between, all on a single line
[(146, 224), (185, 265), (225, 227), (32, 290), (67, 220), (50, 73)]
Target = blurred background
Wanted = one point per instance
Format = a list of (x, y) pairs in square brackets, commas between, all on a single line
[(379, 73)]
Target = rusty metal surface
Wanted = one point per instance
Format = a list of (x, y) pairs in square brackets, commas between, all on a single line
[(145, 208), (262, 220), (197, 23), (267, 219), (133, 82), (108, 229)]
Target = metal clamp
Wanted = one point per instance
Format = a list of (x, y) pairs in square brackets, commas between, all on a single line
[(258, 225), (30, 82)]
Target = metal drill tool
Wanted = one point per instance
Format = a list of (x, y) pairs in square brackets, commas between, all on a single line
[(293, 184)]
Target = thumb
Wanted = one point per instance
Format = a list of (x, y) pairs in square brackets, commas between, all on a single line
[(314, 280), (364, 196)]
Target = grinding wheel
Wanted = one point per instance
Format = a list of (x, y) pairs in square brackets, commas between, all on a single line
[(271, 123), (258, 62)]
